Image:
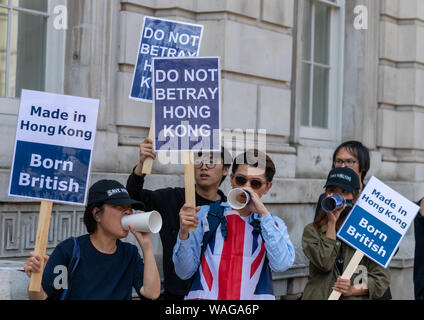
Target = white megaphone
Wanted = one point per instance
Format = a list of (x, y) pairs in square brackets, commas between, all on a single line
[(143, 221), (238, 198)]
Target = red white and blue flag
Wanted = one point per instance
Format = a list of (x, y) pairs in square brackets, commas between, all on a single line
[(235, 268)]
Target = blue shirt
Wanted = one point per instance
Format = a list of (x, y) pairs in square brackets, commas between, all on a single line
[(98, 276), (279, 249)]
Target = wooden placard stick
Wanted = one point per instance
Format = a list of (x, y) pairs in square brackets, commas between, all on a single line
[(189, 180), (41, 243), (348, 273), (148, 163)]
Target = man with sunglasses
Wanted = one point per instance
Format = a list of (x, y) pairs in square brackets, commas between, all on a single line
[(210, 171), (237, 261)]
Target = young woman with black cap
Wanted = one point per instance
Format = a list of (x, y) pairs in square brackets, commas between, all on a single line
[(329, 257), (108, 268)]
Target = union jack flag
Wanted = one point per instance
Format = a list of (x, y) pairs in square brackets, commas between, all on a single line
[(235, 268)]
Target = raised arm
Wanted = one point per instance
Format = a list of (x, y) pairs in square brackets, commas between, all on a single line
[(280, 250), (151, 279), (186, 253)]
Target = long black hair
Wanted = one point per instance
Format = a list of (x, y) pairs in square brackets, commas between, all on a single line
[(358, 150)]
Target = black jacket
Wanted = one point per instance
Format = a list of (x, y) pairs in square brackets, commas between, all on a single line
[(419, 257), (168, 202)]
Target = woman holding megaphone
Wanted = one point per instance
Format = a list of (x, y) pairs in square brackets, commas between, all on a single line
[(328, 256), (98, 265)]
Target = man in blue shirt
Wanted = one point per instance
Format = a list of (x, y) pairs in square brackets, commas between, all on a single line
[(108, 268), (237, 262)]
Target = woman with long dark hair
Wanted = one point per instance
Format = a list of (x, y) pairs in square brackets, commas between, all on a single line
[(329, 257)]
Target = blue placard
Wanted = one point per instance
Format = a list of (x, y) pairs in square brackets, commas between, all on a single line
[(53, 147), (50, 172), (162, 38), (187, 104), (374, 238), (378, 222)]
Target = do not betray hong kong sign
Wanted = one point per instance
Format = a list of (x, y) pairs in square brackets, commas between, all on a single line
[(186, 104), (162, 38)]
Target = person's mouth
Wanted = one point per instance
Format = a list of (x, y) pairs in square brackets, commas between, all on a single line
[(204, 176)]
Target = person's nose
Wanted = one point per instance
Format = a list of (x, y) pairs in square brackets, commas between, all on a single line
[(204, 167), (247, 184)]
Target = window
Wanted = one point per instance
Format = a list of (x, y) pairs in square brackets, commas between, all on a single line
[(28, 43), (321, 68)]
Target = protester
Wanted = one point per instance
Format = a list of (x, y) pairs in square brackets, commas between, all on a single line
[(353, 155), (329, 257), (108, 268), (211, 170), (356, 156), (236, 262), (419, 253)]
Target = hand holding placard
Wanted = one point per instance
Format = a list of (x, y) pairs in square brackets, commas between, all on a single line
[(348, 273), (147, 155), (52, 159), (189, 180), (187, 112)]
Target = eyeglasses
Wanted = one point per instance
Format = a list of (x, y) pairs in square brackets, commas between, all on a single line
[(254, 182), (200, 164), (209, 161), (347, 163)]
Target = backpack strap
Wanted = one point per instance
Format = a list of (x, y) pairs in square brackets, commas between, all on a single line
[(73, 264), (215, 217)]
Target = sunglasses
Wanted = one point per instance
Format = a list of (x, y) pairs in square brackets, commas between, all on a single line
[(255, 183)]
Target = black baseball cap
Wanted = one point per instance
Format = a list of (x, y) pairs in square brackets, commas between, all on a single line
[(111, 192), (343, 177)]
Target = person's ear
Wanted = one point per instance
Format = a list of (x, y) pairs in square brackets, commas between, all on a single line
[(268, 187), (225, 171), (96, 214)]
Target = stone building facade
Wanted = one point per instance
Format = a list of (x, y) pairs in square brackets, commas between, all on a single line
[(312, 73)]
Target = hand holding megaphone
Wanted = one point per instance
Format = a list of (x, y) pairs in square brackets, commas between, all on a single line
[(246, 197), (334, 202)]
